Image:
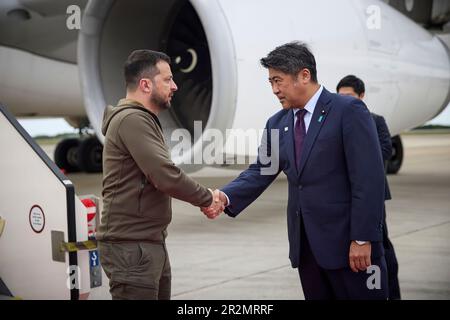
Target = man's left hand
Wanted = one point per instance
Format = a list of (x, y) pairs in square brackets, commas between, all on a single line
[(359, 256)]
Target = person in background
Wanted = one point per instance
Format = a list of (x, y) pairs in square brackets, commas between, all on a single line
[(353, 86)]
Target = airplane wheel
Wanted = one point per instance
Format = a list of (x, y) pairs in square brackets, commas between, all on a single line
[(66, 155), (396, 160), (90, 155)]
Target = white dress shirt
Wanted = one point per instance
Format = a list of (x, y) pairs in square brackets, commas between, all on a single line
[(309, 107)]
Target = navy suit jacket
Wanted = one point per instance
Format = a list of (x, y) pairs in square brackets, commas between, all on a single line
[(386, 145), (338, 191)]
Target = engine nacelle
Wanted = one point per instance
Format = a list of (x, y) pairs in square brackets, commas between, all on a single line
[(216, 46)]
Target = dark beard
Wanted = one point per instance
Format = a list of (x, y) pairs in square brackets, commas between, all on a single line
[(159, 101)]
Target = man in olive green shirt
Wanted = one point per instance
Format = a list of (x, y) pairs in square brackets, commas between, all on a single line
[(139, 180)]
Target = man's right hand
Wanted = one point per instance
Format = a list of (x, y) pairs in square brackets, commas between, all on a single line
[(217, 206), (359, 256)]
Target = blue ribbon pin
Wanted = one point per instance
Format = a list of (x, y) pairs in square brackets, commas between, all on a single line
[(322, 116)]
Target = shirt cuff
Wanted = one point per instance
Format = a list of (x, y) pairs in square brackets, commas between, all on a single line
[(360, 242), (228, 199)]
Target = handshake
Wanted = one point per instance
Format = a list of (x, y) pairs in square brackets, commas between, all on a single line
[(217, 206)]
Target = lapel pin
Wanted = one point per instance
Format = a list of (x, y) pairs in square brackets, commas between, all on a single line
[(286, 129), (322, 116)]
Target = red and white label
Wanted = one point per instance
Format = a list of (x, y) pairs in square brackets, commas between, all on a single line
[(91, 211)]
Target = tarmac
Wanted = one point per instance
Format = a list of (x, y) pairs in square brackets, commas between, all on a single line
[(247, 257)]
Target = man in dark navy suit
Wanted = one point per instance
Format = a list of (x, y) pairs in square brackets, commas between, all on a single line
[(327, 146), (353, 86)]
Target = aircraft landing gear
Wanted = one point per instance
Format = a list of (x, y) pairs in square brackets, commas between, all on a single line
[(66, 155), (90, 155), (84, 154), (396, 160)]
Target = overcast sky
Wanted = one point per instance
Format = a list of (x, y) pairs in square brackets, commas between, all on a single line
[(443, 118), (47, 127)]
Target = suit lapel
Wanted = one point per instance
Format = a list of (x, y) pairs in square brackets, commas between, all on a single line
[(317, 121)]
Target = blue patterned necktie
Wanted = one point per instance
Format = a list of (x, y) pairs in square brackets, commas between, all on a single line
[(299, 135)]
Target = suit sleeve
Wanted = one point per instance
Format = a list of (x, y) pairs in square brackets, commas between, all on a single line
[(385, 138), (141, 136), (366, 173), (251, 183)]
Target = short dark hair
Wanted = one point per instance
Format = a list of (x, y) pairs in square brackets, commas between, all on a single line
[(142, 63), (291, 58), (354, 82)]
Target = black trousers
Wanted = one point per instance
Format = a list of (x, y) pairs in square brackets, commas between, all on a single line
[(341, 284), (392, 264)]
